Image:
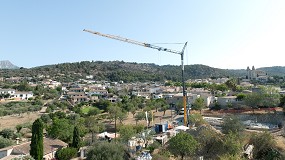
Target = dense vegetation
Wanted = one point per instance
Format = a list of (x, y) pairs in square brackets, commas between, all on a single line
[(274, 71), (130, 72), (18, 108), (121, 71)]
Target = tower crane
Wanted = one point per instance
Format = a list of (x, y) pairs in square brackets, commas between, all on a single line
[(181, 53)]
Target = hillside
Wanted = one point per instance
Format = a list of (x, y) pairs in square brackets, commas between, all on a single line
[(7, 65), (119, 70), (129, 72), (274, 71)]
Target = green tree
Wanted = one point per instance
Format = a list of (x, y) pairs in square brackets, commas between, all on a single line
[(241, 96), (139, 116), (128, 106), (19, 128), (164, 108), (45, 118), (24, 86), (153, 146), (232, 124), (271, 97), (183, 144), (106, 151), (266, 97), (7, 133), (122, 115), (66, 153), (36, 146), (179, 105), (210, 142), (4, 142), (282, 101), (253, 100), (150, 117), (94, 126), (114, 112), (222, 87), (94, 111), (199, 104), (61, 129), (232, 144), (138, 128), (197, 119), (102, 104), (156, 105), (264, 146), (76, 138), (232, 84), (126, 132), (133, 110)]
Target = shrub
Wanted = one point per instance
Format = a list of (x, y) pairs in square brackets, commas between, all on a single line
[(4, 142), (66, 153), (107, 151), (153, 146), (7, 133)]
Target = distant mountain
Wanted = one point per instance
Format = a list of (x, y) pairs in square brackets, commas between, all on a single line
[(7, 65)]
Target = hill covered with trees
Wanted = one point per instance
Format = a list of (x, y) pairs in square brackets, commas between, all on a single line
[(119, 70), (274, 71), (128, 72)]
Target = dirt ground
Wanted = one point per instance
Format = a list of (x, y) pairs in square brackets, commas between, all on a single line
[(13, 120), (280, 143)]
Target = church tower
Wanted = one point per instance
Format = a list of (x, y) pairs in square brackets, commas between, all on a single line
[(253, 73), (248, 76)]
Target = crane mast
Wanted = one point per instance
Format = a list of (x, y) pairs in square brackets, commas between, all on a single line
[(181, 53)]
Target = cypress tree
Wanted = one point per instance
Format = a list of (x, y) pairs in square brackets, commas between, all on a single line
[(36, 146), (76, 138)]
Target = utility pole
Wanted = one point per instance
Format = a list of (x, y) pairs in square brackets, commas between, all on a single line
[(181, 53)]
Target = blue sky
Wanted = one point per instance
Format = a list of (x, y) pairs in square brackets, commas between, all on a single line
[(220, 33)]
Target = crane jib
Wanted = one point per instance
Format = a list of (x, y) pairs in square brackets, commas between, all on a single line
[(159, 49)]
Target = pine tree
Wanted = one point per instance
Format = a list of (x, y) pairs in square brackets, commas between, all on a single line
[(76, 138), (36, 145)]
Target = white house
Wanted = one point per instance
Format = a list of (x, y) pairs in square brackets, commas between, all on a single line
[(23, 95), (154, 90), (208, 99), (224, 101), (7, 91), (98, 92), (54, 84), (76, 90), (78, 99)]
